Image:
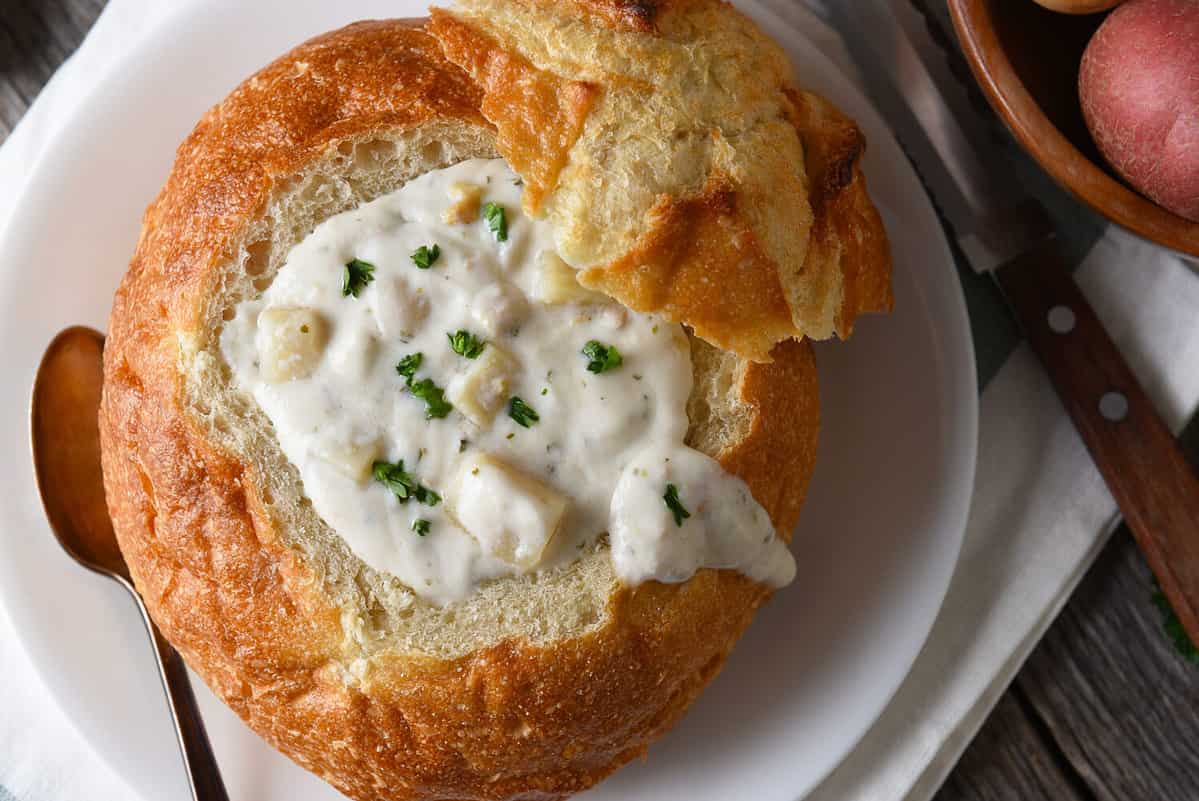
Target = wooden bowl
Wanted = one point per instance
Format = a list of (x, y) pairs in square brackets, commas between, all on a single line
[(1026, 59)]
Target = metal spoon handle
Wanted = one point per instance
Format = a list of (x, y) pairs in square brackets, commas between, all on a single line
[(203, 776)]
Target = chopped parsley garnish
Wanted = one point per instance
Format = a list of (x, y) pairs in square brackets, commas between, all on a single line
[(436, 406), (464, 343), (522, 412), (409, 365), (402, 484), (675, 505), (395, 478), (497, 221), (1173, 626), (357, 275), (601, 358), (426, 256), (421, 526)]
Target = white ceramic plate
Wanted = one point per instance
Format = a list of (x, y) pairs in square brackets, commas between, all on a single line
[(878, 542)]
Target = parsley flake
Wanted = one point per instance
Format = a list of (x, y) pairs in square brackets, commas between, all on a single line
[(426, 256), (421, 526), (409, 365), (464, 343), (497, 221), (601, 358), (1173, 626), (522, 413), (675, 505), (436, 406), (402, 484), (357, 275)]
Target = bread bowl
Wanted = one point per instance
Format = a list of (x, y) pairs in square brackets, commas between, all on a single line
[(536, 683)]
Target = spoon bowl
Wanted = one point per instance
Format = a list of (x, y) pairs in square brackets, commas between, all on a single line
[(66, 451), (65, 435)]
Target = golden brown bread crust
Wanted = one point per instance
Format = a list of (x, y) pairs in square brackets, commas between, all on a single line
[(754, 161), (544, 114), (847, 232), (252, 618), (681, 269), (634, 16)]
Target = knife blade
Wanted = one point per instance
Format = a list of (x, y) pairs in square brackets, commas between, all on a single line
[(992, 217), (1005, 232)]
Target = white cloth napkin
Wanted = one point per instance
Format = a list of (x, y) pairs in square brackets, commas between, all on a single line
[(1040, 511)]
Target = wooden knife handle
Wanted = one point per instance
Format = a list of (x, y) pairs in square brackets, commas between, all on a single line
[(1155, 487)]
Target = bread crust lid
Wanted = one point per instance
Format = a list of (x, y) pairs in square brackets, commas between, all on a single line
[(253, 615), (683, 170)]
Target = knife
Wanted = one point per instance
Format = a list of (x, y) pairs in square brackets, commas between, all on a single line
[(1003, 231)]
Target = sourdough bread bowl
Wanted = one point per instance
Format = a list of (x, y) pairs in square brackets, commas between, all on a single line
[(536, 684)]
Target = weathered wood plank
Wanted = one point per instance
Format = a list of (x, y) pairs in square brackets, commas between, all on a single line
[(1118, 699), (1105, 693), (36, 36), (1009, 762)]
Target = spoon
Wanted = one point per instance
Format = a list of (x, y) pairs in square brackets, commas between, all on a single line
[(66, 458)]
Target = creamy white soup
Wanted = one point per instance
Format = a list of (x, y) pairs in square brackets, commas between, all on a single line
[(460, 408)]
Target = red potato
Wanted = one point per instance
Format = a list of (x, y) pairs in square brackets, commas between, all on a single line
[(1079, 6), (1139, 86)]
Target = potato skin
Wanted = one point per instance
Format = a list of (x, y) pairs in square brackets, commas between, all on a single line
[(1139, 87), (1079, 6)]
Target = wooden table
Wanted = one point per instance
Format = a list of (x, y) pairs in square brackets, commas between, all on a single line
[(1105, 710)]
